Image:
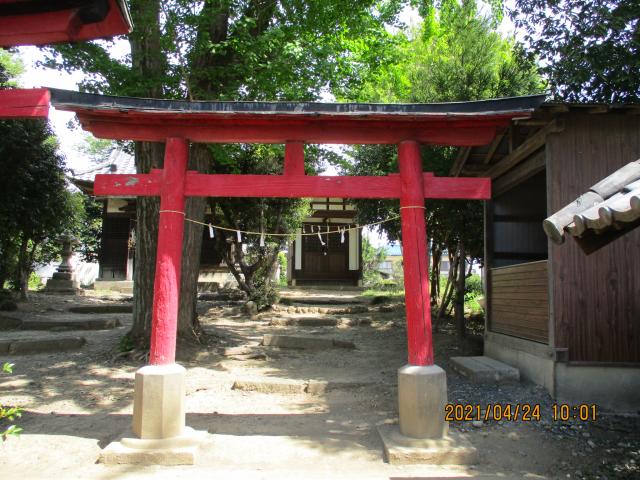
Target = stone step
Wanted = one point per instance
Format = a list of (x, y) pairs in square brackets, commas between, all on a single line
[(121, 308), (59, 323), (289, 386), (323, 300), (40, 345), (304, 343), (328, 310), (319, 321), (485, 370)]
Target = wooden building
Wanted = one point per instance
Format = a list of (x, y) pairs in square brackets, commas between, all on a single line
[(567, 320), (317, 257)]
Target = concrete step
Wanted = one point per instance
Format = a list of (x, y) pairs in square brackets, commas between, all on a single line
[(304, 343), (26, 346), (485, 370), (294, 386), (108, 308), (319, 321)]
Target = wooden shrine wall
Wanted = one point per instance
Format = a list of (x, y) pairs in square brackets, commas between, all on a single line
[(519, 302), (596, 298)]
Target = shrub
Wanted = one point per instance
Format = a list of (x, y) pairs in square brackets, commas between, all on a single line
[(9, 413)]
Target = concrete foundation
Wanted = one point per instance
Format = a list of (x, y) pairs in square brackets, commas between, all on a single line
[(608, 386), (158, 405), (485, 370), (180, 450), (453, 449), (535, 361), (158, 421), (422, 396)]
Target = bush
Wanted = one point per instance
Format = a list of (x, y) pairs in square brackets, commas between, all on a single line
[(473, 287), (9, 413), (35, 282), (282, 260)]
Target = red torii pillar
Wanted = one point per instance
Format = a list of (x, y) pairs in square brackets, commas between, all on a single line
[(159, 410)]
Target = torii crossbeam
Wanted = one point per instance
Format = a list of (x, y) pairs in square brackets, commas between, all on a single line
[(421, 385)]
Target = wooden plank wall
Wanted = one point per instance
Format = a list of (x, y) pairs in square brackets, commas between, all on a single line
[(596, 298), (519, 303)]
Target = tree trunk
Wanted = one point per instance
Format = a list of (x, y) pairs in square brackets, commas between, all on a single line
[(148, 156), (188, 324), (23, 269), (436, 256), (459, 294)]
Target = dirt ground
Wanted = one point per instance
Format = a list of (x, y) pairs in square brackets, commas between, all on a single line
[(77, 402)]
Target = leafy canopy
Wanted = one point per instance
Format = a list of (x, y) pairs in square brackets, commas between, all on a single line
[(589, 49)]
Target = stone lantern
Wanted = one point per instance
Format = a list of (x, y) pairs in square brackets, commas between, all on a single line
[(63, 280)]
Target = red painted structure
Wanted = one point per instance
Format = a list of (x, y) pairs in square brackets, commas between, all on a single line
[(18, 103), (28, 22), (177, 123), (37, 22)]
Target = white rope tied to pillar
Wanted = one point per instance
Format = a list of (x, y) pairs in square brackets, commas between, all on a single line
[(342, 234), (171, 211)]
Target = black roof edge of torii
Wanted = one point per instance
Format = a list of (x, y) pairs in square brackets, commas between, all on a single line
[(68, 98)]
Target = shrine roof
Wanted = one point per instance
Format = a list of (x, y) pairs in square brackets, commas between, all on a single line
[(71, 100), (455, 123), (38, 22)]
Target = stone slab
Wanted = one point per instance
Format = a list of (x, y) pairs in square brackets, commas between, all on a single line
[(305, 322), (291, 387), (181, 450), (9, 323), (123, 308), (454, 449), (485, 370), (72, 324), (304, 343), (284, 385), (323, 300), (45, 345)]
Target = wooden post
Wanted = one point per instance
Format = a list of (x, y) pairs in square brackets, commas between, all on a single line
[(169, 259), (415, 255), (294, 158)]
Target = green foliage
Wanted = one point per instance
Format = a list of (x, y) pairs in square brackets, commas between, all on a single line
[(371, 259), (9, 413), (473, 287), (35, 282), (282, 260), (589, 49), (456, 55), (88, 228), (35, 206), (126, 344), (10, 68)]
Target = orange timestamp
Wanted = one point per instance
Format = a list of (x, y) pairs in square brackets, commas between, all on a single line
[(524, 412)]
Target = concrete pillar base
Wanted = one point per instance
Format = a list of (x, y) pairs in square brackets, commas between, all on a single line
[(158, 406), (158, 422), (179, 450), (422, 396), (454, 449)]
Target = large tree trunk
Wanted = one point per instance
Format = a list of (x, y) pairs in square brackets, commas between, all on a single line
[(148, 63), (148, 156), (188, 325)]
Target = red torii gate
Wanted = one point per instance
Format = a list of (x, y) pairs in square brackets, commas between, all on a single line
[(294, 124)]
